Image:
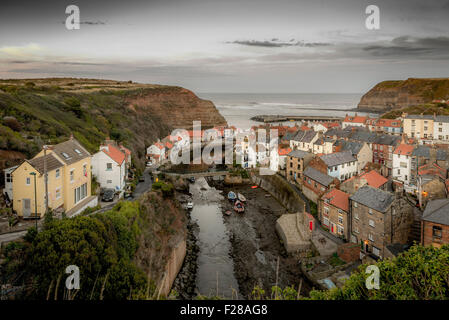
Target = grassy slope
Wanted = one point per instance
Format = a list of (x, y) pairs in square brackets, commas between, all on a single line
[(49, 114)]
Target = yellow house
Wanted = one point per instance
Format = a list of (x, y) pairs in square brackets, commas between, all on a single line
[(419, 126), (69, 181)]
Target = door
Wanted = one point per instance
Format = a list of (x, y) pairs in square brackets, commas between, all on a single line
[(26, 203)]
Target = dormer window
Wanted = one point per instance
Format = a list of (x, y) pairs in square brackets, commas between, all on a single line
[(65, 155), (78, 152)]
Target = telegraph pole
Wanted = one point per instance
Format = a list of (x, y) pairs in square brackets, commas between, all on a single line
[(45, 179)]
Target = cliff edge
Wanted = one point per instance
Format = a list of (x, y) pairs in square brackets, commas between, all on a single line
[(397, 94)]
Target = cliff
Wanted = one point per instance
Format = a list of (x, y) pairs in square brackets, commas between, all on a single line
[(391, 95), (38, 111)]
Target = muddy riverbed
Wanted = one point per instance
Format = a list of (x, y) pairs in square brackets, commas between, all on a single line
[(230, 255)]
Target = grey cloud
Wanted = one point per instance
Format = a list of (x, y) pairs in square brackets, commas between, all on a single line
[(275, 43)]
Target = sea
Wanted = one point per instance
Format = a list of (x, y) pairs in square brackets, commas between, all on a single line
[(238, 108)]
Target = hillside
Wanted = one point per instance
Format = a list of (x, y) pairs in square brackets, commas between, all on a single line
[(391, 95), (38, 111)]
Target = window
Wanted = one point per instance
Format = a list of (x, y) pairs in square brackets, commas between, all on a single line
[(340, 230), (376, 251), (78, 152), (370, 237), (58, 193), (109, 181), (8, 177), (72, 175), (326, 210), (437, 232), (80, 193), (58, 173), (371, 223), (355, 204), (28, 181), (65, 155), (85, 170), (370, 211), (109, 166), (356, 229), (340, 219), (356, 215), (326, 222), (440, 129)]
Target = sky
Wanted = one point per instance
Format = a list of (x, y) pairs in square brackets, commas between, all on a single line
[(258, 46)]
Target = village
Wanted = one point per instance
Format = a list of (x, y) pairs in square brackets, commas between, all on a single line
[(370, 187)]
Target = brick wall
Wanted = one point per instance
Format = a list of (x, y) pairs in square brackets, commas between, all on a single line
[(349, 252), (427, 234)]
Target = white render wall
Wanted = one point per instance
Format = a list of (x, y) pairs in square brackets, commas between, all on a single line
[(114, 178), (404, 171), (444, 134)]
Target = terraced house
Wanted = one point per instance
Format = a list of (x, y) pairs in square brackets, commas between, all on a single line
[(419, 126), (334, 212), (340, 165), (68, 167)]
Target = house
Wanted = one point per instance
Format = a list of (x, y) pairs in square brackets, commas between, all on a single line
[(333, 210), (7, 191), (431, 183), (68, 167), (323, 145), (316, 183), (297, 160), (419, 126), (304, 140), (359, 150), (283, 155), (109, 167), (386, 126), (156, 153), (441, 128), (402, 157), (340, 165), (378, 218), (435, 223), (324, 126), (383, 147), (354, 121), (371, 178)]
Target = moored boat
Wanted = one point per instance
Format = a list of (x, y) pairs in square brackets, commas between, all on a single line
[(232, 196), (239, 207), (241, 197)]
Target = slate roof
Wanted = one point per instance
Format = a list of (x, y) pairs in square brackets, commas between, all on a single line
[(318, 176), (442, 119), (373, 198), (339, 133), (363, 136), (70, 151), (386, 139), (419, 116), (441, 155), (289, 135), (437, 211), (421, 151), (337, 158), (352, 146), (52, 163), (298, 154), (305, 136)]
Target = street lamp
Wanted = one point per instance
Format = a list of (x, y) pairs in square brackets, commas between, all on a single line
[(35, 198)]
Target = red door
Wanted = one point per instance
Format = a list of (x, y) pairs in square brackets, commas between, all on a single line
[(311, 225)]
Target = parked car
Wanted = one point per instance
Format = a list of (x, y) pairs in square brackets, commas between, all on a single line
[(189, 205), (108, 195)]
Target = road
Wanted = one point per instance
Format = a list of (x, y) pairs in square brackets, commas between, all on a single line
[(8, 237), (144, 186)]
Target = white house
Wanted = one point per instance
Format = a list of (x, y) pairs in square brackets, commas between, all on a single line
[(340, 165), (109, 166), (304, 140), (8, 182), (441, 128), (354, 121), (156, 153), (402, 163)]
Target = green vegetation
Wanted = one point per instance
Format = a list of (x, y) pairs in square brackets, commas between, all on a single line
[(335, 261), (34, 114), (429, 108), (168, 190), (104, 246)]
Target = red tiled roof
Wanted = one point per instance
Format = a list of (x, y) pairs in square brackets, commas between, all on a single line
[(284, 151), (126, 150), (329, 125), (114, 153), (388, 123), (374, 179), (355, 119), (404, 149), (305, 128), (338, 199), (159, 145), (169, 145)]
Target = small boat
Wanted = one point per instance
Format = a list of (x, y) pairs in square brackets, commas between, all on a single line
[(254, 187), (238, 206), (241, 197), (231, 196), (228, 212)]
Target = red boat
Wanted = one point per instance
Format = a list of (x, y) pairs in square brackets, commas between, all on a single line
[(239, 207)]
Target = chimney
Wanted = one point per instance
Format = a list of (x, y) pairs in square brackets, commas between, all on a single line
[(71, 136)]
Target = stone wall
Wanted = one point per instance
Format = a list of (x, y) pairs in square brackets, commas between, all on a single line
[(172, 268)]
